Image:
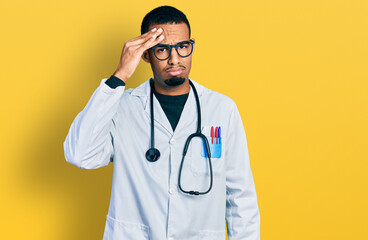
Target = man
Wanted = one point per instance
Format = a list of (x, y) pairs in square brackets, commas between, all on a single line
[(159, 190)]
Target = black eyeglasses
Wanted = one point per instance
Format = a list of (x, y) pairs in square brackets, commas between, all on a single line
[(163, 51)]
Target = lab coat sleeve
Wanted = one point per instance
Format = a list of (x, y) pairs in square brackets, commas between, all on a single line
[(242, 213), (89, 143)]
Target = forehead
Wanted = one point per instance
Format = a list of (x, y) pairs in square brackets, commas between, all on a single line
[(174, 33)]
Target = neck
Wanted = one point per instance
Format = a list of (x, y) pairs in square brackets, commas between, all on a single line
[(172, 91)]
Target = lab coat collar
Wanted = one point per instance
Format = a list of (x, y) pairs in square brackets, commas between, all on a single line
[(144, 89), (143, 92)]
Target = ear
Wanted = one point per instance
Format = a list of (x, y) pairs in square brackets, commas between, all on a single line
[(193, 43), (145, 56)]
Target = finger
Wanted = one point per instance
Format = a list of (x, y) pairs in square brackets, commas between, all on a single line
[(147, 36), (154, 40), (144, 34), (148, 43)]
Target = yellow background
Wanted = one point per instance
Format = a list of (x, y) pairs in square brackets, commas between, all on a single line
[(296, 69)]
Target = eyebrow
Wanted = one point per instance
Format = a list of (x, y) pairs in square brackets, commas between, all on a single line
[(172, 44)]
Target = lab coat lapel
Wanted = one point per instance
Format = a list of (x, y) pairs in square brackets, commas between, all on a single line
[(143, 91), (188, 117), (159, 114)]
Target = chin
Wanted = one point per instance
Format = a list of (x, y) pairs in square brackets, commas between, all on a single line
[(175, 81)]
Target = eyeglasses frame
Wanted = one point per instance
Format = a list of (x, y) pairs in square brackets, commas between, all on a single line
[(170, 47)]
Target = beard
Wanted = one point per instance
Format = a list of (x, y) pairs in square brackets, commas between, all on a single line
[(174, 81)]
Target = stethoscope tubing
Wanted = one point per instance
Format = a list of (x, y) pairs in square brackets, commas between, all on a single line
[(153, 154)]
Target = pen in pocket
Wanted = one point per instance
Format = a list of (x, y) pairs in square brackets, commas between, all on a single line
[(212, 134), (219, 134)]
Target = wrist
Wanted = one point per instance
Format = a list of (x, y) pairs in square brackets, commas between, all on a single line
[(121, 76)]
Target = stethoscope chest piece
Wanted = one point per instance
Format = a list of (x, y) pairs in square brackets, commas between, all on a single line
[(152, 154)]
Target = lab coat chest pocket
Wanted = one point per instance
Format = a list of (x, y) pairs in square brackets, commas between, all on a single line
[(115, 230), (199, 159)]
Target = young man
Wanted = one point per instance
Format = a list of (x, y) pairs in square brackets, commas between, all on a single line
[(167, 183)]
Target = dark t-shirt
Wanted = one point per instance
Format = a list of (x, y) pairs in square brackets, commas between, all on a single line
[(172, 105)]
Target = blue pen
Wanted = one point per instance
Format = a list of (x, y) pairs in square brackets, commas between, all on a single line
[(219, 134)]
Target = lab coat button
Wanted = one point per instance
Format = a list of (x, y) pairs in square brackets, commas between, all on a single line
[(172, 191), (172, 141)]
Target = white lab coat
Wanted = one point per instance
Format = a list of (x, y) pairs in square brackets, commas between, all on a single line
[(146, 202)]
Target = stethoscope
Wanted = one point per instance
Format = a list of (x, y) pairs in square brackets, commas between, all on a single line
[(153, 154)]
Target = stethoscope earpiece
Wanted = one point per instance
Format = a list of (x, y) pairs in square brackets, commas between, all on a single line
[(152, 154)]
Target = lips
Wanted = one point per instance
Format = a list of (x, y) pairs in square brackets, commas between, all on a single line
[(175, 71)]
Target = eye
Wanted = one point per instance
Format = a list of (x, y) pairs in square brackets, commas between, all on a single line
[(161, 50), (183, 45)]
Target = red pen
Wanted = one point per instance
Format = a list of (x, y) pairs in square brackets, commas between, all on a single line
[(216, 135), (212, 134)]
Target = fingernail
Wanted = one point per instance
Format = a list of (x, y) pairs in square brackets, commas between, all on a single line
[(159, 30), (153, 29), (162, 36)]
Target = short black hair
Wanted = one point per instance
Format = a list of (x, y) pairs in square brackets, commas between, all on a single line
[(162, 15)]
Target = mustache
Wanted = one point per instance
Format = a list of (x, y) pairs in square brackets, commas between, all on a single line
[(176, 67)]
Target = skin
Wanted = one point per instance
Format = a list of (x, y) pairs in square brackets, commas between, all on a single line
[(139, 48)]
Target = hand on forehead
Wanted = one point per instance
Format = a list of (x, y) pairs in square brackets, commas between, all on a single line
[(173, 33)]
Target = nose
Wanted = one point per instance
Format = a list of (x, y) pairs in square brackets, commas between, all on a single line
[(174, 57)]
